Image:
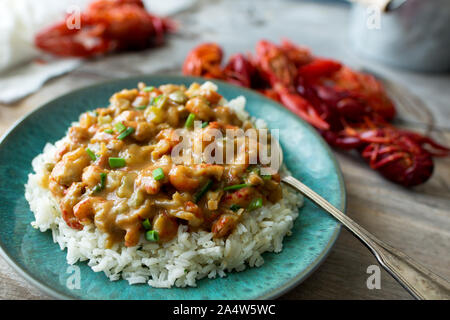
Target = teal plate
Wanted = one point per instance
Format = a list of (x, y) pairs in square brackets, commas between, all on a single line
[(34, 255)]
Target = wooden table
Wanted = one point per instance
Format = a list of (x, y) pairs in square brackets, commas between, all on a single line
[(416, 221)]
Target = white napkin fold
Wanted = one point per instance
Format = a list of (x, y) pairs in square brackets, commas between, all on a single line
[(21, 81), (20, 73)]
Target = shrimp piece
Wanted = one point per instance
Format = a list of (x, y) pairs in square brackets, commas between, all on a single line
[(175, 114), (132, 235), (62, 150), (101, 136), (241, 197), (55, 188), (190, 178), (67, 203), (177, 201), (233, 173), (169, 88), (141, 100), (87, 119), (85, 210), (126, 94), (168, 139), (224, 225), (199, 106), (212, 96), (210, 170), (91, 175), (79, 134), (147, 182), (190, 217), (115, 146), (144, 131), (166, 226), (130, 115), (131, 222), (182, 179), (181, 206), (245, 152), (70, 167), (191, 213)]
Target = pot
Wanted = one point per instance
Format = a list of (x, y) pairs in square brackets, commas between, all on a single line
[(411, 34)]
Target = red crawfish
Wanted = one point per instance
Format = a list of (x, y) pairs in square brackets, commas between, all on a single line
[(350, 109), (106, 26), (401, 156), (204, 61), (280, 73)]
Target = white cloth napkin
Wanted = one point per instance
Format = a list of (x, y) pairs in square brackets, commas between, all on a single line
[(21, 72)]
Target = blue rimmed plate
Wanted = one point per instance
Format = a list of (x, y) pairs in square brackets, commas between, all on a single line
[(34, 255)]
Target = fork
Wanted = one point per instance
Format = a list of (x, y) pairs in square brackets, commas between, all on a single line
[(420, 282)]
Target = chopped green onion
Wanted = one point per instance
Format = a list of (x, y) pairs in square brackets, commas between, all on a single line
[(158, 174), (190, 120), (141, 107), (91, 154), (237, 186), (125, 133), (120, 127), (110, 131), (255, 204), (148, 89), (205, 124), (146, 224), (154, 100), (152, 235), (200, 193), (102, 179), (266, 176), (254, 169), (116, 162), (101, 186), (234, 207)]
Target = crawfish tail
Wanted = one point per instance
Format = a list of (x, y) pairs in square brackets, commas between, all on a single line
[(431, 146)]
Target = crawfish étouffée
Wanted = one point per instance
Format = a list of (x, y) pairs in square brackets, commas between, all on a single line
[(115, 168)]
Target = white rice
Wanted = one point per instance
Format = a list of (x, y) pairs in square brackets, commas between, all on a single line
[(183, 260)]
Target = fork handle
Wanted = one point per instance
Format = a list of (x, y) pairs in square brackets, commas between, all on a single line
[(416, 279)]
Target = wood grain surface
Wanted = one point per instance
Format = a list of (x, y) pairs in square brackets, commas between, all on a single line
[(416, 221)]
